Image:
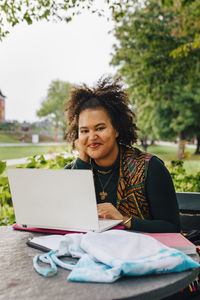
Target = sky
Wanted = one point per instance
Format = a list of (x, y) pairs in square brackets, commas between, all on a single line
[(32, 56)]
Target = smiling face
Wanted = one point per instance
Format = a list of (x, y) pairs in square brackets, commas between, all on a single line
[(97, 136)]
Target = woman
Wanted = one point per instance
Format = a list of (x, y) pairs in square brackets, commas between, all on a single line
[(130, 185)]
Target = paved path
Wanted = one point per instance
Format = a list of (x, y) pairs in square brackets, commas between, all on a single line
[(173, 144)]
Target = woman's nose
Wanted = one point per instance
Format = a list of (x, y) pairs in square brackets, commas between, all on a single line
[(93, 136)]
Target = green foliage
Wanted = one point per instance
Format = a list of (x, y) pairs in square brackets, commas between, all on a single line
[(2, 166), (165, 90), (184, 182), (13, 12), (185, 24), (7, 126), (39, 162), (53, 105), (7, 216), (6, 210)]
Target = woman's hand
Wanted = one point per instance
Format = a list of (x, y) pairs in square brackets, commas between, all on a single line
[(82, 154), (108, 211)]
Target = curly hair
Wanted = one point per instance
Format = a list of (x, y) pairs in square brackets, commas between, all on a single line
[(109, 95)]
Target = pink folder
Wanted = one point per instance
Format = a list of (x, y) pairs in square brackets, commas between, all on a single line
[(54, 231), (175, 240)]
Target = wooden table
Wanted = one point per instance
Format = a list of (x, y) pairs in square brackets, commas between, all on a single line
[(18, 280)]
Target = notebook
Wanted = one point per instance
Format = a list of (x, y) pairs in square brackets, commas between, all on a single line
[(173, 240), (56, 199)]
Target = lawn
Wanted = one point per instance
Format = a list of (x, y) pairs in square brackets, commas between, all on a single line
[(168, 153), (20, 151), (8, 138), (15, 137)]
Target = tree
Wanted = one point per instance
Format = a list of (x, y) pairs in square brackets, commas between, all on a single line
[(53, 105), (165, 89), (13, 12), (186, 24)]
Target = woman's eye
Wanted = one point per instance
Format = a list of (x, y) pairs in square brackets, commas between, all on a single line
[(84, 131), (100, 128)]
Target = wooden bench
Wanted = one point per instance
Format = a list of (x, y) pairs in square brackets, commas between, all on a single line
[(189, 208)]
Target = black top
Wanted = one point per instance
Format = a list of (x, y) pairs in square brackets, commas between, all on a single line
[(159, 190)]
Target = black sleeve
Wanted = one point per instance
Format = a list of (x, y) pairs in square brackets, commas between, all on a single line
[(161, 196), (78, 164)]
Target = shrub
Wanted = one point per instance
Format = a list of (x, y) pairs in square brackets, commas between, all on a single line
[(184, 182)]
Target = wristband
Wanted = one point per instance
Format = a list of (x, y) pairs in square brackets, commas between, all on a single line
[(127, 221)]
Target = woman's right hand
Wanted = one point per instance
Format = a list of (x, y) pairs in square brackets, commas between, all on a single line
[(82, 154)]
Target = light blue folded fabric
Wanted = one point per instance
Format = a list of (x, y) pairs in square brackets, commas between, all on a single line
[(105, 257)]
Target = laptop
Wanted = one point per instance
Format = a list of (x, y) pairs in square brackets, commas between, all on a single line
[(56, 199)]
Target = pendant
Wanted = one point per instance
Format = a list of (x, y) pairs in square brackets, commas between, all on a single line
[(103, 195)]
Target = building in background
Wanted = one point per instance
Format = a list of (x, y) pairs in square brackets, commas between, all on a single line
[(2, 107)]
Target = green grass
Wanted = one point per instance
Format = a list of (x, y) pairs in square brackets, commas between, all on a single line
[(169, 153), (8, 138), (15, 137), (19, 152)]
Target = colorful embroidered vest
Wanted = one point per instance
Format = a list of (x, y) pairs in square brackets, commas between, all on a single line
[(131, 200)]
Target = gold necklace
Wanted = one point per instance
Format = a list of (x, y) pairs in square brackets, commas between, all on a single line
[(103, 194), (104, 172)]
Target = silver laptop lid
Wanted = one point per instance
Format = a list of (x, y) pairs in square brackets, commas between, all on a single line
[(58, 199)]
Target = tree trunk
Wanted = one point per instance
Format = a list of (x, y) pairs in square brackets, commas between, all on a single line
[(181, 144), (144, 144), (198, 145), (55, 134), (152, 142)]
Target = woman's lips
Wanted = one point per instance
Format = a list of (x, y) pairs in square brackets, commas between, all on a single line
[(94, 145)]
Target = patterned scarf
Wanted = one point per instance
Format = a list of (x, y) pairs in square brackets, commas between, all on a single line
[(131, 199)]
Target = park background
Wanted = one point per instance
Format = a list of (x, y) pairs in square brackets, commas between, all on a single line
[(49, 47)]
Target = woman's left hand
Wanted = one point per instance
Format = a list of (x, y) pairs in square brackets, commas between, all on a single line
[(108, 211)]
